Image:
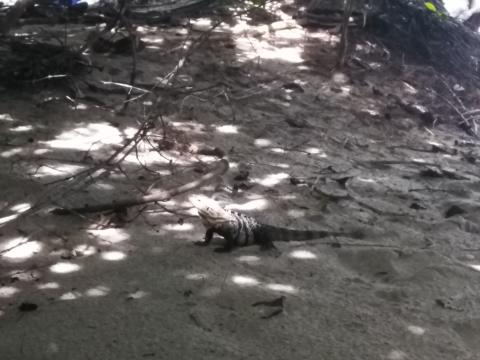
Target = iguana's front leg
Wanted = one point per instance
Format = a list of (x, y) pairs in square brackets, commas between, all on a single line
[(208, 237), (229, 242)]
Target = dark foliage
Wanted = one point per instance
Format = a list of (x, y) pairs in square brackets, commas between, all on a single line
[(428, 37)]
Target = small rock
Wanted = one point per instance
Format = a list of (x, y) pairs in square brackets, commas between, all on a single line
[(26, 306)]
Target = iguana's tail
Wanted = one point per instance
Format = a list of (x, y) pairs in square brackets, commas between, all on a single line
[(285, 234)]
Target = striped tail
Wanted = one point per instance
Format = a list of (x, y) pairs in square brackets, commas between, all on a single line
[(285, 234)]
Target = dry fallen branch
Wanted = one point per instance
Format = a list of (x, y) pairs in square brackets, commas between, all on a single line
[(156, 195)]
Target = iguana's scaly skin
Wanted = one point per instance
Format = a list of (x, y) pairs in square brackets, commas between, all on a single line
[(241, 230)]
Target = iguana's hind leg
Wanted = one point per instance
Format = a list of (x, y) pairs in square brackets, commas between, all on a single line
[(270, 249), (267, 245)]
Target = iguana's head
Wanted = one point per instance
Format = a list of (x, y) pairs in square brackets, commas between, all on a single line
[(210, 211)]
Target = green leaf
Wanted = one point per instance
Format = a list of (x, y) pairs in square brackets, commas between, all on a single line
[(430, 6)]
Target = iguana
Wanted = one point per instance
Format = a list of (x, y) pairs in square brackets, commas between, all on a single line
[(241, 230)]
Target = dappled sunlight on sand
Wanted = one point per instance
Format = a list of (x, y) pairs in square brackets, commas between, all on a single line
[(302, 254), (20, 207), (288, 197), (189, 126), (6, 118), (85, 249), (81, 106), (130, 131), (202, 24), (280, 165), (146, 156), (8, 291), (366, 180), (112, 235), (48, 286), (86, 137), (6, 219), (146, 153), (40, 152), (244, 280), (261, 143), (227, 129), (254, 205), (247, 281), (11, 152), (196, 276), (296, 213), (57, 169), (20, 248), (420, 160), (397, 355), (316, 151), (22, 128), (416, 330), (71, 295), (250, 48), (282, 288), (113, 255), (324, 37), (139, 294), (178, 227), (475, 266), (64, 267), (250, 259), (290, 34), (272, 179), (97, 291)]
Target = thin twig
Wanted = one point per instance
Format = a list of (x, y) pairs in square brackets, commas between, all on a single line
[(445, 83)]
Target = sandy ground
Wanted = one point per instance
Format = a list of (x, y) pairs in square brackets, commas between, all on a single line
[(323, 152)]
